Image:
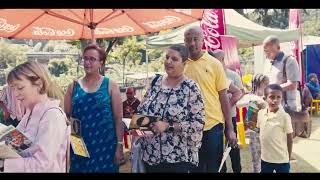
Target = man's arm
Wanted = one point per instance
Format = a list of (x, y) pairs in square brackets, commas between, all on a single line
[(225, 106), (236, 94), (293, 75), (289, 85)]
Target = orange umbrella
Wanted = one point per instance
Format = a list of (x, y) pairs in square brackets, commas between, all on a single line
[(54, 24)]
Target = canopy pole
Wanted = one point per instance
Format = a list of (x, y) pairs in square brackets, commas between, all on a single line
[(300, 53), (147, 61), (93, 39)]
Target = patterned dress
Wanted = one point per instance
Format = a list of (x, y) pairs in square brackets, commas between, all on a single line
[(97, 129), (184, 105)]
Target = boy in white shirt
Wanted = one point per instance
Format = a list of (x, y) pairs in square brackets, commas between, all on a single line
[(275, 133)]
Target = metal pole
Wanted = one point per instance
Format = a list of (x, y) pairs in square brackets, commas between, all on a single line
[(147, 61)]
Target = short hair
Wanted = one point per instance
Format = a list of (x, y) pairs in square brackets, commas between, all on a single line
[(101, 51), (183, 51), (272, 39), (33, 71), (272, 87), (217, 53), (195, 29), (312, 75)]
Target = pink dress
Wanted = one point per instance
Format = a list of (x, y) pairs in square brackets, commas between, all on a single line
[(50, 135), (16, 109)]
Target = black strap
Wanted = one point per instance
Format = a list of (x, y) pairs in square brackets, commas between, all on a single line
[(284, 71), (155, 80)]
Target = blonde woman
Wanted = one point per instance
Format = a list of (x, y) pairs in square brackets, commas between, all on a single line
[(44, 123)]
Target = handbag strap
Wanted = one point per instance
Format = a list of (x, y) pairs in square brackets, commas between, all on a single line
[(284, 71)]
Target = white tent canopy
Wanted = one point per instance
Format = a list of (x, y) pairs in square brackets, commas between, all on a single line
[(247, 32)]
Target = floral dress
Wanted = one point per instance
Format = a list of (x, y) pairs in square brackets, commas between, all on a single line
[(184, 105)]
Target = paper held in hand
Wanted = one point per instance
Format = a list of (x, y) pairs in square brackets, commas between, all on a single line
[(225, 156), (13, 143)]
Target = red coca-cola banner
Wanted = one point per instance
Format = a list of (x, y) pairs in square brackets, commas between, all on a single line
[(294, 22), (213, 26)]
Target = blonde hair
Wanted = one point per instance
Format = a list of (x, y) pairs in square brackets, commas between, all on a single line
[(34, 72)]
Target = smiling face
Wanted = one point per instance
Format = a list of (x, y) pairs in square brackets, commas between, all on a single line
[(26, 92), (91, 61), (173, 63)]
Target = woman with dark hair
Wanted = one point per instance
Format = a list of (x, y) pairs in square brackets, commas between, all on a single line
[(178, 101), (96, 102)]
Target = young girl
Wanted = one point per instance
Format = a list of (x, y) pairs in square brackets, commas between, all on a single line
[(259, 83)]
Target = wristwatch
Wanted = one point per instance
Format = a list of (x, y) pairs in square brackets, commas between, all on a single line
[(171, 127)]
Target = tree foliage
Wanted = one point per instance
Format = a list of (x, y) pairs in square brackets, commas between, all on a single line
[(12, 54)]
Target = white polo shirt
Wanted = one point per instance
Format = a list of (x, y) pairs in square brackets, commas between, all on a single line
[(274, 128)]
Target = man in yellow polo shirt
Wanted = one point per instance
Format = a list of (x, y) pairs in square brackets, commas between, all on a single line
[(208, 72)]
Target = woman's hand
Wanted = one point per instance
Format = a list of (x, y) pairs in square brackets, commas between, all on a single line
[(119, 156), (159, 127)]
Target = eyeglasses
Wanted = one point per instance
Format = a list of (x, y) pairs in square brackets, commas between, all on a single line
[(90, 59)]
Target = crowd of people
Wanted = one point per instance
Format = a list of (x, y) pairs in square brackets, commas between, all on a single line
[(196, 100)]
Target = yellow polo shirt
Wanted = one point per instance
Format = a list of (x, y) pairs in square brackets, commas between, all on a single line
[(274, 128), (208, 72)]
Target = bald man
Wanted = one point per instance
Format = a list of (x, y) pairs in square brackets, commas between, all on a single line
[(276, 59), (208, 72)]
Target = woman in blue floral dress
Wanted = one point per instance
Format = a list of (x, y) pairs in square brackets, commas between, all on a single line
[(96, 102), (178, 101)]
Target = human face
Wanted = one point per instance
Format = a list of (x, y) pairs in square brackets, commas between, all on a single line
[(193, 41), (314, 79), (173, 63), (130, 96), (91, 61), (271, 50), (26, 92), (274, 99)]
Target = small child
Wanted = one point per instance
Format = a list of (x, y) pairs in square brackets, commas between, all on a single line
[(275, 132), (259, 83)]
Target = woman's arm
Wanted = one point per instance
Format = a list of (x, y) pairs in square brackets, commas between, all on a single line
[(193, 127), (67, 100), (116, 104)]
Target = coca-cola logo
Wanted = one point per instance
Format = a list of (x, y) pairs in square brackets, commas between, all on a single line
[(184, 11), (4, 26), (210, 25), (46, 31), (120, 30), (163, 22)]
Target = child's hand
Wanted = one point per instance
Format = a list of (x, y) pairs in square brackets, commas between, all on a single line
[(261, 106)]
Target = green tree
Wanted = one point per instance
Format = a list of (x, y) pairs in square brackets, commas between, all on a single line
[(57, 67), (12, 54)]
